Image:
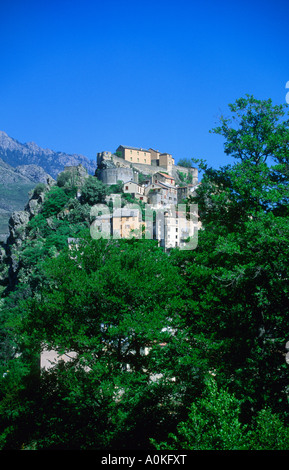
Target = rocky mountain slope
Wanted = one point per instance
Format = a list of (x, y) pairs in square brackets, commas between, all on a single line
[(17, 154), (21, 174), (22, 166)]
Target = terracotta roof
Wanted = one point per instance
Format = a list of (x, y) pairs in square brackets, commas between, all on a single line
[(166, 176)]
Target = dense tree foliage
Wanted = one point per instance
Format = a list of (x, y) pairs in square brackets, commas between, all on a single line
[(93, 191), (214, 423), (117, 304), (243, 254), (178, 350)]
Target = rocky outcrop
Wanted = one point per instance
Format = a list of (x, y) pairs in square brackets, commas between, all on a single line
[(33, 206), (17, 227), (18, 233)]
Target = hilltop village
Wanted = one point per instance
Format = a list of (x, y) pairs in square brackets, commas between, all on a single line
[(153, 180)]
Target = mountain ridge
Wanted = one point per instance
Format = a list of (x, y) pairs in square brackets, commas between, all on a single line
[(22, 166), (53, 162)]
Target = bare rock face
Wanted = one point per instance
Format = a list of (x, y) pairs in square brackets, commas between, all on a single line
[(18, 218), (34, 173), (17, 226), (33, 207)]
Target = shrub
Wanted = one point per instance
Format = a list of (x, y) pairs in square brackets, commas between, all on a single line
[(54, 202), (93, 191), (39, 188)]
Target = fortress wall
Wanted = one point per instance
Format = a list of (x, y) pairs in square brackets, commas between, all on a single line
[(145, 169), (113, 175)]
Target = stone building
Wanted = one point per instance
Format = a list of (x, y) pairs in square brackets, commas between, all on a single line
[(135, 189), (185, 191), (164, 160), (110, 172), (113, 175), (122, 223), (160, 194), (126, 222), (134, 154), (174, 229), (160, 177), (146, 157)]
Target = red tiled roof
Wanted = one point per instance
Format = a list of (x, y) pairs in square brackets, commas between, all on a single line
[(166, 176)]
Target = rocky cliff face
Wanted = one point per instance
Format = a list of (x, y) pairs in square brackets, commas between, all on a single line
[(17, 226), (15, 184)]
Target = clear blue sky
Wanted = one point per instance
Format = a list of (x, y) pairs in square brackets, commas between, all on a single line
[(86, 76)]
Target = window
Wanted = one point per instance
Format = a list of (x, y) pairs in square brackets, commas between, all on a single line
[(126, 187)]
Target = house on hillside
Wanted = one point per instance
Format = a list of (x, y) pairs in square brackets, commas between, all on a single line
[(126, 222), (175, 229), (160, 194), (122, 223), (135, 189), (185, 191), (160, 177)]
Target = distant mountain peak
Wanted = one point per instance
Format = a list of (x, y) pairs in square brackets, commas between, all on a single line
[(17, 154)]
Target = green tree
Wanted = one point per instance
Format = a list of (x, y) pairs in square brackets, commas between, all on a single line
[(255, 131), (93, 191), (214, 423), (117, 304), (54, 201), (185, 162), (238, 274), (115, 188), (64, 179), (39, 188)]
